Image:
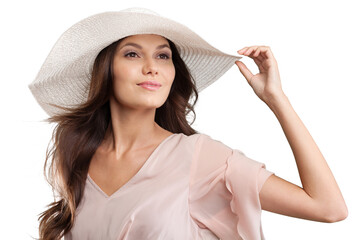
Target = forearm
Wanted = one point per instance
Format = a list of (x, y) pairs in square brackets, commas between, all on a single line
[(316, 177)]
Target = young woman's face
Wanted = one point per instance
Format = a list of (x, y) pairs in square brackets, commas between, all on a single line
[(141, 58)]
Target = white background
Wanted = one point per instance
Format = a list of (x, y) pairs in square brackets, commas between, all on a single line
[(314, 43)]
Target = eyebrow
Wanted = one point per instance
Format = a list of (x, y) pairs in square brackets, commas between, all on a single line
[(140, 47)]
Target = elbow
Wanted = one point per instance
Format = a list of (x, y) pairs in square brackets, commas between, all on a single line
[(339, 216), (336, 214)]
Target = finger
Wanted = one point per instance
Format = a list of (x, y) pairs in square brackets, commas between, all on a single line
[(260, 58), (250, 50), (242, 50), (256, 56), (256, 53), (259, 53), (266, 52), (244, 70), (258, 62)]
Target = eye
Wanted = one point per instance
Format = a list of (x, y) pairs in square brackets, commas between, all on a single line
[(131, 54), (164, 56)]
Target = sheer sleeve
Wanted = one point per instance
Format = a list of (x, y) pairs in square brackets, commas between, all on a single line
[(224, 190)]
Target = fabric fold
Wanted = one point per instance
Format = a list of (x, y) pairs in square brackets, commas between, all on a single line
[(225, 187), (245, 202)]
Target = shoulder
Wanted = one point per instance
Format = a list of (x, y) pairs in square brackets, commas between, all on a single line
[(205, 144), (199, 137), (209, 149), (211, 144), (196, 139)]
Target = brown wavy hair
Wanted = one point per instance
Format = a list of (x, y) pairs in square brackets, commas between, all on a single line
[(79, 131)]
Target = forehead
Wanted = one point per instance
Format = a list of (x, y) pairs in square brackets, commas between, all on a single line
[(145, 39)]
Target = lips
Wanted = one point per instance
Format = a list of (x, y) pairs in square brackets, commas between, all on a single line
[(150, 83)]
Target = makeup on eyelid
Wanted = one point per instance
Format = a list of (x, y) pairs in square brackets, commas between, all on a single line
[(168, 56)]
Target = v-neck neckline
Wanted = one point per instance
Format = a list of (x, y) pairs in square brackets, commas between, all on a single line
[(135, 175)]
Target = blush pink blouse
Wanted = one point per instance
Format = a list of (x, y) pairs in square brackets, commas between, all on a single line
[(191, 187)]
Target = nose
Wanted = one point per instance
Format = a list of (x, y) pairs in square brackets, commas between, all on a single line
[(150, 67)]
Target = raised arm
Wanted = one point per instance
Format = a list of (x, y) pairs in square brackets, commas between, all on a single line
[(319, 198)]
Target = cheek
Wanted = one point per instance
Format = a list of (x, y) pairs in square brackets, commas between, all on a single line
[(170, 74), (123, 72), (124, 79)]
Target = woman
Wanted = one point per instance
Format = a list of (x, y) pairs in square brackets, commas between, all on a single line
[(126, 163)]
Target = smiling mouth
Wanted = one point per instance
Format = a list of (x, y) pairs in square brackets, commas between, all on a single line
[(149, 86), (150, 83)]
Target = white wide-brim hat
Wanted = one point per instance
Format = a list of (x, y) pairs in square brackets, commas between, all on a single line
[(64, 77)]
